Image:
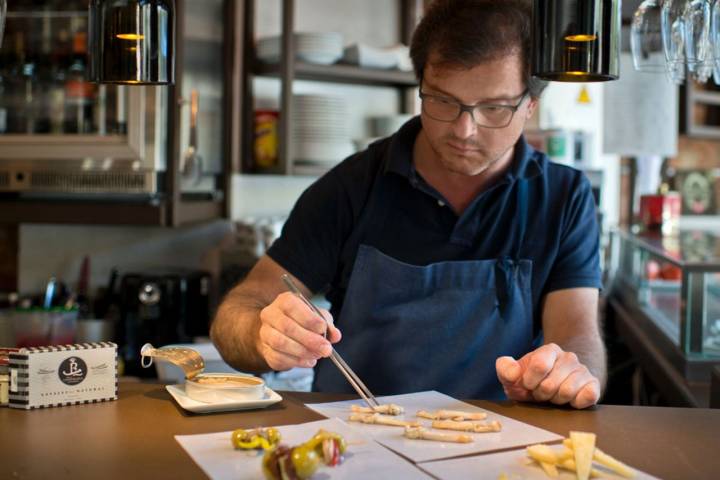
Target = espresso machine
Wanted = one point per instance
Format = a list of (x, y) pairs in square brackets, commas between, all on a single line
[(161, 307)]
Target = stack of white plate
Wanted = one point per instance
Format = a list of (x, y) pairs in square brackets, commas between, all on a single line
[(323, 48), (320, 133)]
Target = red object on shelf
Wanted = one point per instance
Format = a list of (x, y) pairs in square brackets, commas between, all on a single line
[(660, 211), (670, 272), (651, 211)]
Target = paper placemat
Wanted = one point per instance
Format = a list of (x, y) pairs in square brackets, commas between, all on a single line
[(514, 464), (514, 434), (214, 453)]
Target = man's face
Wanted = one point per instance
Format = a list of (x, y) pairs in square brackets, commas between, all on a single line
[(462, 146)]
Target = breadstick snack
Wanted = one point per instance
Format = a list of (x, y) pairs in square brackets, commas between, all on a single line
[(419, 433), (475, 427), (377, 419), (389, 409), (456, 415)]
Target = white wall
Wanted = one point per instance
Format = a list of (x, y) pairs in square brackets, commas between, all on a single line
[(559, 108), (266, 195), (58, 250), (374, 22)]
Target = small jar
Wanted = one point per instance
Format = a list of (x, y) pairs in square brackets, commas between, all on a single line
[(4, 385), (5, 375)]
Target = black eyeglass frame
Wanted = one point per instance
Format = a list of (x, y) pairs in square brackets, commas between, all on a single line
[(471, 108)]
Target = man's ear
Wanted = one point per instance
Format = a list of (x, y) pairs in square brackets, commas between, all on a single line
[(532, 105)]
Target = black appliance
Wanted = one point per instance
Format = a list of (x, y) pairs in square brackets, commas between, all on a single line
[(161, 307)]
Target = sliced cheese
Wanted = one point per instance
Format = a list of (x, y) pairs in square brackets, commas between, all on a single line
[(613, 464), (550, 469), (569, 464), (542, 453), (584, 448)]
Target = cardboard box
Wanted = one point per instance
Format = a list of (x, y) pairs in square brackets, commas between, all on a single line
[(63, 375)]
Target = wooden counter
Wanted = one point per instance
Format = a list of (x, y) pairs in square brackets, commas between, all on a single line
[(132, 438)]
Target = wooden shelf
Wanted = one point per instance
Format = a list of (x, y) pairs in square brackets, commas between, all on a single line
[(340, 73), (151, 213), (706, 97), (696, 103), (81, 212)]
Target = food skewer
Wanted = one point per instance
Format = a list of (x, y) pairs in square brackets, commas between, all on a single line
[(377, 419), (456, 415), (388, 409), (419, 433), (475, 427)]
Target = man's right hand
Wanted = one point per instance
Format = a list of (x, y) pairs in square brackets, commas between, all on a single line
[(291, 334)]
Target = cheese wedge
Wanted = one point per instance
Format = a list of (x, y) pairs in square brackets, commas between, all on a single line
[(541, 453), (584, 449), (550, 469)]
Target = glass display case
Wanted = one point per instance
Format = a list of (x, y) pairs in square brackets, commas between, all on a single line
[(60, 133), (675, 281), (72, 151)]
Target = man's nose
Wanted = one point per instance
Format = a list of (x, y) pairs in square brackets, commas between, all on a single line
[(464, 126)]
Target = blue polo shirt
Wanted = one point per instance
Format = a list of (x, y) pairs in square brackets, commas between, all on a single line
[(320, 239)]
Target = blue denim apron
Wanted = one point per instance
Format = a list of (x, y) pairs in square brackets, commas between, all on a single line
[(409, 328)]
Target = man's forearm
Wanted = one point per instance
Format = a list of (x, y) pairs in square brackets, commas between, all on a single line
[(235, 331)]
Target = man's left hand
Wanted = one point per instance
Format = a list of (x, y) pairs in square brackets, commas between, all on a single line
[(548, 374)]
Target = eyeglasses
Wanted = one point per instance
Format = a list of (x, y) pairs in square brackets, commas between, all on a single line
[(486, 115)]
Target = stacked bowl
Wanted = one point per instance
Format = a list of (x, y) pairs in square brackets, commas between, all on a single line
[(323, 48)]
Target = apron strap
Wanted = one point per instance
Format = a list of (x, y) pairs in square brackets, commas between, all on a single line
[(506, 267), (522, 201)]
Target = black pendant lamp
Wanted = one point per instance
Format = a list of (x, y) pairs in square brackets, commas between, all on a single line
[(576, 40), (132, 41)]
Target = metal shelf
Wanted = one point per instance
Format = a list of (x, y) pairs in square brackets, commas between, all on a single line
[(289, 69), (340, 73)]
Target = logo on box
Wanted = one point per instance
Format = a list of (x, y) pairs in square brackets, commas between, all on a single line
[(72, 371)]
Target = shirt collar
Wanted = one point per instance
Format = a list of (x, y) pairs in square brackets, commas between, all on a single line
[(525, 164)]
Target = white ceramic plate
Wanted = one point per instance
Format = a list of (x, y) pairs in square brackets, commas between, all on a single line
[(178, 393)]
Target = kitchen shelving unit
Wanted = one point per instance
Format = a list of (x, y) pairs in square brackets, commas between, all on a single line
[(289, 69), (171, 207)]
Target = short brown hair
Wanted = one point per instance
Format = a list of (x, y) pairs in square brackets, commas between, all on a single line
[(466, 33)]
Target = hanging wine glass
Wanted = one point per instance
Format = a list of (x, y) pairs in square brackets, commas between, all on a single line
[(673, 35), (646, 41), (696, 19), (715, 40)]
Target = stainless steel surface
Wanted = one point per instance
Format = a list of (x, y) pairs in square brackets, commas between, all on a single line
[(344, 368), (77, 176), (71, 163)]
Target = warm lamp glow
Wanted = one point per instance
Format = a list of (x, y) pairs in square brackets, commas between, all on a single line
[(129, 36)]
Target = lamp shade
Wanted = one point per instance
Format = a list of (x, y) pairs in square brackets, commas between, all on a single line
[(132, 41), (576, 40)]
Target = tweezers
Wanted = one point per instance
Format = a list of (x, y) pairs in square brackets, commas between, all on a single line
[(344, 368)]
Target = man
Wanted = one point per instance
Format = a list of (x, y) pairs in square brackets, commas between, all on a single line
[(456, 258)]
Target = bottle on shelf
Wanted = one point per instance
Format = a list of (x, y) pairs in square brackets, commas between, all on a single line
[(3, 106), (19, 87), (55, 50), (79, 92), (29, 79)]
